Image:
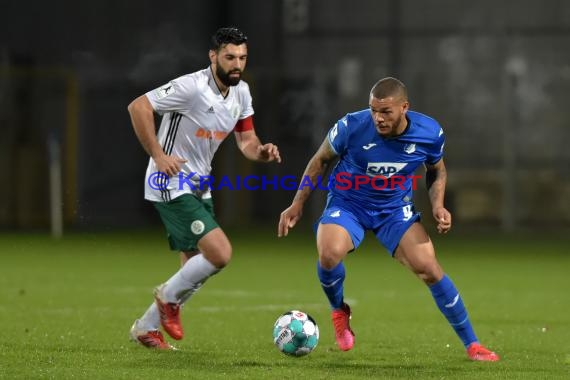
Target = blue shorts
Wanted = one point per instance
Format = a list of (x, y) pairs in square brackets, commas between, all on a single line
[(389, 225)]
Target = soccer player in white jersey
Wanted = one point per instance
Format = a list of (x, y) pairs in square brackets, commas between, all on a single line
[(198, 111), (378, 151)]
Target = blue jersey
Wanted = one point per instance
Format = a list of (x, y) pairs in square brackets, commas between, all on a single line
[(377, 172)]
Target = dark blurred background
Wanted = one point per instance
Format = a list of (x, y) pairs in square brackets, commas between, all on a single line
[(495, 74)]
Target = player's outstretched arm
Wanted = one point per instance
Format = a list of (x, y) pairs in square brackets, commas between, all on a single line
[(436, 179), (316, 168), (249, 144)]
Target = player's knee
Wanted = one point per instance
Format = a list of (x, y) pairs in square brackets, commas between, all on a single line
[(331, 256), (427, 278), (221, 260), (328, 263), (429, 273), (219, 256)]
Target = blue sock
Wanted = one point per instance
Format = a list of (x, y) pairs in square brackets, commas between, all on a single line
[(332, 283), (449, 302)]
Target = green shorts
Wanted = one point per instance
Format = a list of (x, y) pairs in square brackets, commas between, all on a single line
[(187, 219)]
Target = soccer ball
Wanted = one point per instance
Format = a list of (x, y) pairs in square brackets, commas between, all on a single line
[(295, 333)]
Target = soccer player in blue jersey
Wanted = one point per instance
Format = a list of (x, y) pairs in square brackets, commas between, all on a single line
[(379, 149)]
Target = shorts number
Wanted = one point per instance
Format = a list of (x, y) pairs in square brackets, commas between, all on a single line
[(408, 213)]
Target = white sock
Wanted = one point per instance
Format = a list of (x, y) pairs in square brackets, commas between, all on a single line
[(150, 319), (185, 282)]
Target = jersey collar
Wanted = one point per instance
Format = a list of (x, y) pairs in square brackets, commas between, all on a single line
[(214, 85)]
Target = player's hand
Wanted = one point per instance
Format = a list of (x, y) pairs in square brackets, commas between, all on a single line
[(268, 152), (169, 164), (289, 218), (443, 219)]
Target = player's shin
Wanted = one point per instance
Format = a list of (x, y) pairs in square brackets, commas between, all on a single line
[(332, 283), (151, 319), (449, 302), (180, 287)]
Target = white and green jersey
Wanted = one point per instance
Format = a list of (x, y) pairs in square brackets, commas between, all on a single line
[(196, 118)]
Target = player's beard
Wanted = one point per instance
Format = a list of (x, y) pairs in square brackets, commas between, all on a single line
[(224, 76)]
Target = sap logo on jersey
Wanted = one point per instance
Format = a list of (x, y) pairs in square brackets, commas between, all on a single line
[(386, 169)]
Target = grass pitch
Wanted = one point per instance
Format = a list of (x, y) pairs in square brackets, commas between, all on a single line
[(66, 308)]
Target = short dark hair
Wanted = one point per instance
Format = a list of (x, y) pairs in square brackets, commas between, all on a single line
[(228, 35), (387, 87)]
